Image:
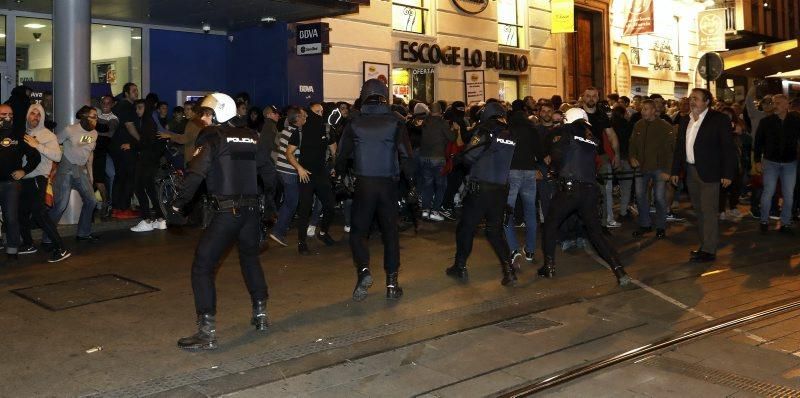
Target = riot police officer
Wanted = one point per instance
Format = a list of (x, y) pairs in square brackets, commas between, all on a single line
[(573, 157), (230, 158), (377, 141), (489, 152)]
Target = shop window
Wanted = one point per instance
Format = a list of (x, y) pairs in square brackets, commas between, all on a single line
[(408, 15), (116, 56), (414, 83), (2, 38), (508, 26), (116, 53), (34, 50), (508, 88)]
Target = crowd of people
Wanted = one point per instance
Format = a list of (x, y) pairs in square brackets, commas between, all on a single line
[(575, 167)]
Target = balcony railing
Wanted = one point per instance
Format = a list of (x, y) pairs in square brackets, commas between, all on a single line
[(730, 16)]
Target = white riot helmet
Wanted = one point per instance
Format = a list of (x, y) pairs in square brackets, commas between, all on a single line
[(574, 114), (223, 106)]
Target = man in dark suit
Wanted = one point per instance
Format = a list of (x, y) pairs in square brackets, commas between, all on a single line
[(705, 150)]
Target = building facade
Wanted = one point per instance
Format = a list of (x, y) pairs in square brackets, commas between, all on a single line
[(662, 62), (426, 49)]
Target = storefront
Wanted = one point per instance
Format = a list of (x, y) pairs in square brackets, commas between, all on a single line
[(435, 49)]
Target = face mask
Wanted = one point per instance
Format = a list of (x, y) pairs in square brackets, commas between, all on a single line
[(6, 123)]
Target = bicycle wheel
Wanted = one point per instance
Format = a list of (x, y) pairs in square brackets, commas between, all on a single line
[(166, 192)]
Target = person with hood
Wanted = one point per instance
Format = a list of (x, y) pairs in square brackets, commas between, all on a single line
[(12, 153), (523, 178), (19, 101), (489, 152), (75, 171), (573, 158), (150, 148), (377, 141), (34, 187)]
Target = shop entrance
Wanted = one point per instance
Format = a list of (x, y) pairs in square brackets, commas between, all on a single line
[(414, 83), (585, 54)]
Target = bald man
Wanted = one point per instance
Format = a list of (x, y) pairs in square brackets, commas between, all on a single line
[(17, 159)]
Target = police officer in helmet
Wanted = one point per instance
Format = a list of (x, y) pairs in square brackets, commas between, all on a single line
[(377, 141), (573, 157), (230, 158), (489, 152)]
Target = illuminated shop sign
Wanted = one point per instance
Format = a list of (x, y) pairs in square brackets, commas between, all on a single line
[(433, 54)]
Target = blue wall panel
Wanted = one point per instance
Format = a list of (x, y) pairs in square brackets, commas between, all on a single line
[(186, 61), (257, 64)]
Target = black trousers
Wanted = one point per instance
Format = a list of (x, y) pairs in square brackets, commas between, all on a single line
[(375, 197), (454, 180), (9, 202), (33, 208), (488, 203), (124, 174), (145, 183), (320, 185), (226, 228), (582, 199)]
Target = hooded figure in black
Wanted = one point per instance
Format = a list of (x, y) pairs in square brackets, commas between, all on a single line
[(489, 153), (573, 158), (19, 101), (377, 141), (13, 150)]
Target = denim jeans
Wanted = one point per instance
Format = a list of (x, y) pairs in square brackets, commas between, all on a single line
[(659, 196), (523, 183), (787, 172), (625, 183), (433, 183), (607, 191), (291, 193), (69, 177)]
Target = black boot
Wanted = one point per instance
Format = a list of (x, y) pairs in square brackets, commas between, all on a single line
[(363, 284), (509, 275), (260, 315), (458, 271), (206, 336), (393, 289), (548, 270), (302, 248), (622, 277)]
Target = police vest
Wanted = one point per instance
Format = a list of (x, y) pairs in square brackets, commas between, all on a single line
[(494, 163), (235, 171), (375, 145)]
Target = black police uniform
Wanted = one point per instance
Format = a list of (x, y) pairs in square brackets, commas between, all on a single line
[(489, 152), (573, 157), (377, 141), (230, 160)]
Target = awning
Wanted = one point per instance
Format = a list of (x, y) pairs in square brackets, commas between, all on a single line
[(763, 61)]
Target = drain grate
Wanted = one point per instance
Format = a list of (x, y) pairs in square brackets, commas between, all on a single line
[(79, 292), (721, 377), (528, 324)]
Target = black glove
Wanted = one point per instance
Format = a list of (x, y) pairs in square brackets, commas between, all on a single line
[(174, 216)]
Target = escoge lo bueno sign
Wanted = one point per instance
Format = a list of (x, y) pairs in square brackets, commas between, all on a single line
[(433, 54)]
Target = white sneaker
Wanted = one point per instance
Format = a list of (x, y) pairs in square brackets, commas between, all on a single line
[(311, 231), (613, 224), (142, 226), (159, 224), (736, 213), (722, 216), (435, 216), (426, 214), (347, 229)]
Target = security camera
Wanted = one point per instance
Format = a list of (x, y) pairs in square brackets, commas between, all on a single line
[(206, 27)]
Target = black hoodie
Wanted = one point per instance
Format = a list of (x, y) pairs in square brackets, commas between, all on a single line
[(12, 149)]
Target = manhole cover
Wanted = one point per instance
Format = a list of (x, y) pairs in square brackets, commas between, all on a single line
[(528, 324), (77, 292)]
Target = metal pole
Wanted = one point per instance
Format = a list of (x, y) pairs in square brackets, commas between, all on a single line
[(72, 23)]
